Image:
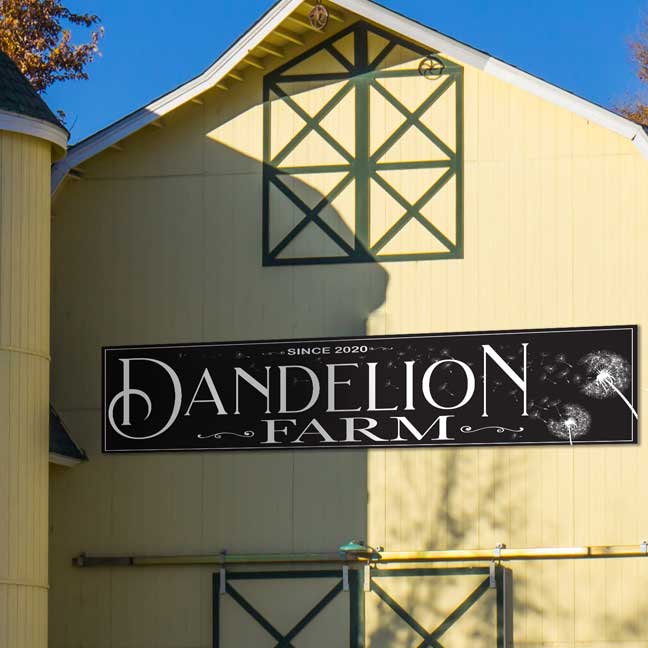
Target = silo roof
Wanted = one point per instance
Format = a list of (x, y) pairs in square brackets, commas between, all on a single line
[(61, 444), (18, 96)]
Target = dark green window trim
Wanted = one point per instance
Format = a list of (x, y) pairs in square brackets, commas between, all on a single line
[(361, 76)]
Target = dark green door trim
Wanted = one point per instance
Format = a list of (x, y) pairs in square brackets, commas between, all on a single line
[(356, 610), (496, 578), (433, 639)]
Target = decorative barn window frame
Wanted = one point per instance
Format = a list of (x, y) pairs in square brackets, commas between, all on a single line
[(362, 166)]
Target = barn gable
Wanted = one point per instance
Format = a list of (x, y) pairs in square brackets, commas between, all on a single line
[(285, 30)]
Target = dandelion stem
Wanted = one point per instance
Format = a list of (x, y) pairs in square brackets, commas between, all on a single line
[(610, 382)]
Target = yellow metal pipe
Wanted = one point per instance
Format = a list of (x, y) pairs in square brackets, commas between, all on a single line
[(533, 553), (458, 555)]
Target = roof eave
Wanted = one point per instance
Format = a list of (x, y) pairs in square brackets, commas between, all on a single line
[(181, 95), (64, 460)]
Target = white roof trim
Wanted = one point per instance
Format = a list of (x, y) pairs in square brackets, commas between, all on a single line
[(371, 11), (641, 142), (39, 128), (62, 460), (181, 95), (504, 71)]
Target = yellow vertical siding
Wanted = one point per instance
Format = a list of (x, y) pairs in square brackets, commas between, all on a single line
[(24, 389), (162, 243), (555, 228)]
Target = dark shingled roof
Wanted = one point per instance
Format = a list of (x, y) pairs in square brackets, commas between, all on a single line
[(60, 442), (17, 95)]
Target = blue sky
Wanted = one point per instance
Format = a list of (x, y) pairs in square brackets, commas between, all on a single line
[(151, 47)]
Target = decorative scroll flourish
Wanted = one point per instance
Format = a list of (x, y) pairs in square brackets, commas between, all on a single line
[(466, 429), (219, 435)]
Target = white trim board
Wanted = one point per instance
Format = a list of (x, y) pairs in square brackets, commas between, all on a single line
[(376, 13), (62, 460), (38, 128)]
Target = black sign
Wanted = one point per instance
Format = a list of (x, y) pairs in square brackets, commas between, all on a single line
[(560, 386)]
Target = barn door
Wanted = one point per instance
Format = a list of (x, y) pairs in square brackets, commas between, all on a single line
[(374, 608), (448, 607), (287, 609)]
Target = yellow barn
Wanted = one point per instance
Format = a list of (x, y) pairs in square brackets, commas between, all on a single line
[(340, 172)]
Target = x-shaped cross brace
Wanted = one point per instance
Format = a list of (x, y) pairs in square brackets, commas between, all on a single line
[(284, 641), (431, 639)]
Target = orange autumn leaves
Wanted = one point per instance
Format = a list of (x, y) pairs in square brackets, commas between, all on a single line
[(36, 35), (636, 106)]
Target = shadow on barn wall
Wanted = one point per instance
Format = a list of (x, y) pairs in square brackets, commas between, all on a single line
[(450, 522), (161, 243)]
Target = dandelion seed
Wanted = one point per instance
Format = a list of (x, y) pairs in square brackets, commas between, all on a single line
[(561, 358), (535, 414)]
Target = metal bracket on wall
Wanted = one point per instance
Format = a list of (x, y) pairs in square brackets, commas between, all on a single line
[(223, 581), (223, 573), (492, 575), (345, 578)]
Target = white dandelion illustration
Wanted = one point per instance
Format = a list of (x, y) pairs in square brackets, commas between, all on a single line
[(574, 423), (607, 374)]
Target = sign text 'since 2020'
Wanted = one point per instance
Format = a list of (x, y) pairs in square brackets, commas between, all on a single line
[(550, 386)]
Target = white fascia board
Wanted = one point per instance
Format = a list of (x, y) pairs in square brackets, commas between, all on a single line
[(641, 142), (181, 95), (38, 128), (415, 31), (62, 460), (378, 14)]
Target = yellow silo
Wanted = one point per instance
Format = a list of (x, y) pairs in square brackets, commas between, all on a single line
[(30, 137)]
